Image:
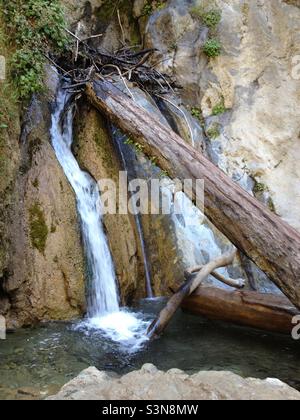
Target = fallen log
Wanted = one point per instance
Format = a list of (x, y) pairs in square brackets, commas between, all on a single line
[(165, 316), (263, 311), (266, 239)]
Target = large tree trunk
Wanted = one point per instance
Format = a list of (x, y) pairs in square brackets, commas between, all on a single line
[(266, 239), (253, 309)]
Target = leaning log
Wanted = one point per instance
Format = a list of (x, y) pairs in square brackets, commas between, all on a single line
[(266, 239), (165, 316), (262, 311)]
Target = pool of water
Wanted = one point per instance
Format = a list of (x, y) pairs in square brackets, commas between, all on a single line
[(36, 362)]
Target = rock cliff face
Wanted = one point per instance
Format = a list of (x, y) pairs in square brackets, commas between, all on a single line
[(244, 111), (42, 267), (45, 266), (255, 78)]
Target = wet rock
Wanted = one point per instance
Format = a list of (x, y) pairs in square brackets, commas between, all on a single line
[(151, 384)]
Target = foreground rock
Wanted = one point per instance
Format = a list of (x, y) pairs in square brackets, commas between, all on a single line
[(151, 384)]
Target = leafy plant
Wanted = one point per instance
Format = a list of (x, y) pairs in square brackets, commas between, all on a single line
[(212, 48), (219, 109), (138, 147), (196, 113), (210, 18), (33, 27)]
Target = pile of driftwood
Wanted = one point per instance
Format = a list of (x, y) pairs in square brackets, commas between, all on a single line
[(258, 233), (85, 63)]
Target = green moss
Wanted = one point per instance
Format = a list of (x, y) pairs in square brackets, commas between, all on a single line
[(219, 109), (212, 48), (214, 131), (137, 146), (196, 113), (53, 228), (38, 228), (259, 187)]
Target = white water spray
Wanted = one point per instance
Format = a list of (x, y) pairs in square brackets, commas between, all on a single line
[(103, 303)]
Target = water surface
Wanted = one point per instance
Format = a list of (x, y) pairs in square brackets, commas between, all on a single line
[(36, 362)]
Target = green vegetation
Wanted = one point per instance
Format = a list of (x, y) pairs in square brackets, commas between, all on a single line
[(33, 28), (164, 174), (138, 147), (213, 132), (210, 15), (152, 6), (259, 187), (212, 48), (219, 109), (196, 113), (210, 18), (38, 228)]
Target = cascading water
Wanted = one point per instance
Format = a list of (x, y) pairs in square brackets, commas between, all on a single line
[(103, 302), (119, 141)]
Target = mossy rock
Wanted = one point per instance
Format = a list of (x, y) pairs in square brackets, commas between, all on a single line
[(38, 227)]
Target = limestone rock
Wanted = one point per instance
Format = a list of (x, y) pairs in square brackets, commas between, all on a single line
[(254, 76), (151, 384)]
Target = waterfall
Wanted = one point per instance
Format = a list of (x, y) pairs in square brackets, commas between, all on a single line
[(102, 294), (119, 141), (103, 302)]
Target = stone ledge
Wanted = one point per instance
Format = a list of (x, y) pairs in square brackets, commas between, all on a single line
[(149, 383)]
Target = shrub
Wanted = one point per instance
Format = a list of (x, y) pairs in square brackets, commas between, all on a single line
[(212, 48), (210, 18), (33, 28)]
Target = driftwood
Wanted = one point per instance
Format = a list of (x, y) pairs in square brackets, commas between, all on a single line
[(263, 311), (236, 283), (160, 324), (266, 239)]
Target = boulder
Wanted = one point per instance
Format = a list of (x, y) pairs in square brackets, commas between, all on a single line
[(149, 383)]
